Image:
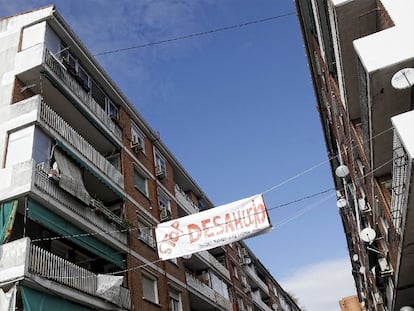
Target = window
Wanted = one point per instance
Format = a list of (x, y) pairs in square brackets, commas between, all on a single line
[(137, 138), (111, 109), (140, 181), (145, 233), (149, 287), (175, 300), (160, 165), (235, 272), (164, 206)]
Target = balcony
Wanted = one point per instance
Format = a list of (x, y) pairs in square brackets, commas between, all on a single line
[(215, 263), (23, 259), (51, 189), (259, 302), (207, 292), (37, 58), (253, 275), (92, 106), (184, 201), (62, 129), (402, 206)]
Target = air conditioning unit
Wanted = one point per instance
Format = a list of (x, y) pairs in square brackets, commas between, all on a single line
[(385, 269), (363, 205), (165, 214), (136, 145), (247, 289), (160, 171), (245, 260), (378, 299)]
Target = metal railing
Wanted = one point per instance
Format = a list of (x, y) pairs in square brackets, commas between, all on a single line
[(44, 184), (185, 201), (55, 268), (78, 90), (215, 263), (253, 275), (207, 291), (61, 127), (400, 182), (260, 303)]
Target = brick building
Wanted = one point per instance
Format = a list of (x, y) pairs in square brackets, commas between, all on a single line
[(360, 55), (84, 181)]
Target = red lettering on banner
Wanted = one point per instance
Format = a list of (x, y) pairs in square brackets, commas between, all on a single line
[(228, 222), (205, 228), (194, 232), (218, 225)]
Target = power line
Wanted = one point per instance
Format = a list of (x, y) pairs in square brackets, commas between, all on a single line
[(134, 47)]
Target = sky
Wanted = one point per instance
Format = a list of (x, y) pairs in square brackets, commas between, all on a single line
[(237, 109)]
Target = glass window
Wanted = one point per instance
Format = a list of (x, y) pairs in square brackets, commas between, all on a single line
[(175, 300), (160, 165), (140, 181), (145, 233), (149, 288), (137, 138), (111, 109)]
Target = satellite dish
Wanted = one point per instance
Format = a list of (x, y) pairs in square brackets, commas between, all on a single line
[(355, 258), (341, 203), (407, 308), (342, 171), (403, 79), (367, 235)]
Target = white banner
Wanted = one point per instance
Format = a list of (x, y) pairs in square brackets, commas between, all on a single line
[(8, 300), (211, 228), (109, 286)]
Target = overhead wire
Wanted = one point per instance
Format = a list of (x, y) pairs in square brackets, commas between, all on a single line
[(198, 34)]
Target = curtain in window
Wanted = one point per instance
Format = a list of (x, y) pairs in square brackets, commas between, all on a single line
[(71, 177), (7, 215)]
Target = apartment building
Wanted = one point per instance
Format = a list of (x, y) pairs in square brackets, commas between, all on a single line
[(84, 181), (360, 55)]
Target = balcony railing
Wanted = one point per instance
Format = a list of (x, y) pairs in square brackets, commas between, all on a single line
[(207, 291), (44, 184), (77, 89), (260, 303), (253, 275), (61, 127), (400, 182), (52, 267), (185, 201), (215, 263)]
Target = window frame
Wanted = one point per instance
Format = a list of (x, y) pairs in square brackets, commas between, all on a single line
[(160, 164), (137, 137), (175, 295), (139, 172), (154, 281)]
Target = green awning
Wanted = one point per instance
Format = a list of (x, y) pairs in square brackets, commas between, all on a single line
[(34, 300), (7, 215), (56, 223)]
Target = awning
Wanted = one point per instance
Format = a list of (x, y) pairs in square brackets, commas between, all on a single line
[(34, 300), (89, 169), (56, 223), (71, 177), (7, 215)]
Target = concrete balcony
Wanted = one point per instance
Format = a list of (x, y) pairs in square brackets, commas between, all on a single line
[(255, 278), (259, 302), (78, 144), (52, 191), (184, 201), (207, 298), (37, 59), (23, 260), (215, 263)]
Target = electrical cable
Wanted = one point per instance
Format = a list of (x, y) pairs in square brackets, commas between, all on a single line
[(203, 33)]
